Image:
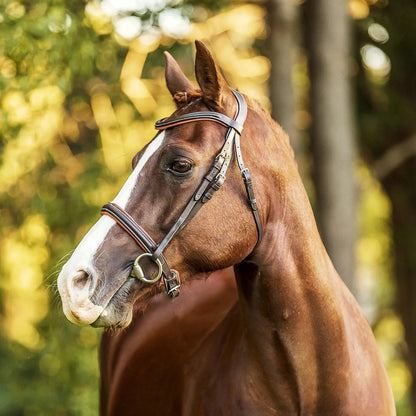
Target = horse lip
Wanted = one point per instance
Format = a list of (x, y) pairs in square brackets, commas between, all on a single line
[(129, 287), (82, 318)]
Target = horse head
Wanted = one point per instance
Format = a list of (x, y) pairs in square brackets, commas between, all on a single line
[(97, 285)]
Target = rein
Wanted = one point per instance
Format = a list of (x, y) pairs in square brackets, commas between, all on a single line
[(212, 181)]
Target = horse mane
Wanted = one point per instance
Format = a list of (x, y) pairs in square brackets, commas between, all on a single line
[(185, 97), (281, 134)]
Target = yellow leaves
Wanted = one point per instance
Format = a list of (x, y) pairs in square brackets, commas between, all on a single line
[(23, 252), (69, 166), (23, 255), (245, 22), (7, 67), (45, 98), (373, 246), (373, 280), (121, 137), (20, 110), (255, 67), (400, 379), (390, 332), (124, 113), (114, 154), (21, 261), (100, 21), (391, 327), (21, 330), (15, 10), (16, 108), (231, 34), (133, 63), (139, 95), (34, 231), (360, 9), (103, 110), (131, 84), (27, 151)]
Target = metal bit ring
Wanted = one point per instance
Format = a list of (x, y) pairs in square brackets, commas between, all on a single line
[(138, 271)]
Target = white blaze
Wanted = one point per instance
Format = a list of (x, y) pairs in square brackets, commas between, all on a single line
[(124, 195), (75, 299)]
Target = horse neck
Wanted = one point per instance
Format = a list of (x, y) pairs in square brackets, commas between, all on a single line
[(288, 295)]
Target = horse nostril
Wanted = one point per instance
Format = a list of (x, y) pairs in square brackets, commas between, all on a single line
[(81, 280)]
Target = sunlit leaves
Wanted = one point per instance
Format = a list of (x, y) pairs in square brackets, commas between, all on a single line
[(48, 54), (24, 254), (374, 285), (40, 117)]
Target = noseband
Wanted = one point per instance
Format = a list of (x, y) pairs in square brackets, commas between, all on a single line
[(209, 185)]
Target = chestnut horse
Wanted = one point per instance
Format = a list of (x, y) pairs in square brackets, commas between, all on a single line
[(276, 334)]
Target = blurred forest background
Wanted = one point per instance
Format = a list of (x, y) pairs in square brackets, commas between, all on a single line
[(81, 84)]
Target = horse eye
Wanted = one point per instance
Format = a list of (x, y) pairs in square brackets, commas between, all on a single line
[(181, 166)]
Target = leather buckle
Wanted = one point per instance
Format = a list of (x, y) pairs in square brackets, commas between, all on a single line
[(172, 284)]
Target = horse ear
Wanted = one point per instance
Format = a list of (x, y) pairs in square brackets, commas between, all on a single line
[(217, 93), (176, 80)]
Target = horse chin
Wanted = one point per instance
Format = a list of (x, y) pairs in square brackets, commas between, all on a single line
[(131, 298), (119, 311)]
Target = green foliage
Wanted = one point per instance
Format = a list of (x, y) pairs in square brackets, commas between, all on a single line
[(58, 379), (50, 59)]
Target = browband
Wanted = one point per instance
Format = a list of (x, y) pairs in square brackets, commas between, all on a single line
[(226, 121)]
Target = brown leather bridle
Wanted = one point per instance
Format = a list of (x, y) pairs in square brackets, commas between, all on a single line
[(212, 181)]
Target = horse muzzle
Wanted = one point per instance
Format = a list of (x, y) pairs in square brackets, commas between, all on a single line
[(75, 292)]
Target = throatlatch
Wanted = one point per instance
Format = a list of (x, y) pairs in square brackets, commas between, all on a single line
[(210, 184)]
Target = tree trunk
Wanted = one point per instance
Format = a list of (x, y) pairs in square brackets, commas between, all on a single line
[(282, 20), (328, 39)]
